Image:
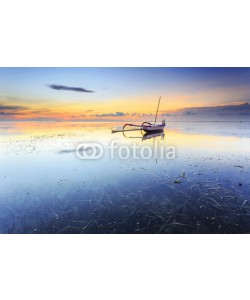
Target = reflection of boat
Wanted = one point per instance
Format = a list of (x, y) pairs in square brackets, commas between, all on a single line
[(145, 126), (145, 136), (148, 136)]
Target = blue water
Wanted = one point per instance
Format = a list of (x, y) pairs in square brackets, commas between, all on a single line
[(45, 187)]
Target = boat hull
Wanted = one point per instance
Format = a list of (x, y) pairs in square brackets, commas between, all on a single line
[(152, 129)]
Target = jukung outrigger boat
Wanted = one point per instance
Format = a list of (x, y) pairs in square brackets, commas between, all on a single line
[(145, 126)]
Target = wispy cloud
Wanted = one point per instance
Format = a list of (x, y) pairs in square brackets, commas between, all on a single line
[(166, 115), (3, 113), (11, 107), (11, 110), (223, 110), (238, 110), (69, 88), (117, 114)]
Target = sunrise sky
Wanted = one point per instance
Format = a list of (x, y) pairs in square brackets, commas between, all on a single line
[(83, 94)]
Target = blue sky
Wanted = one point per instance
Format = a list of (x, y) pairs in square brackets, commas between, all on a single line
[(127, 90)]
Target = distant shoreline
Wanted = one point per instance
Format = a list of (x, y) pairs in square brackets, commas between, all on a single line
[(120, 121)]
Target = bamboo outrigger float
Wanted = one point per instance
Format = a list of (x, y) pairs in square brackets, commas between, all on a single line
[(145, 126)]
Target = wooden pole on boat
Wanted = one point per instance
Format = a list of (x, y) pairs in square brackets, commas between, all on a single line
[(157, 110)]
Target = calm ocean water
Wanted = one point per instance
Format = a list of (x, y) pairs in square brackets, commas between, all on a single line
[(138, 186)]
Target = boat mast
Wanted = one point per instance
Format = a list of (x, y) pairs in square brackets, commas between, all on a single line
[(157, 110)]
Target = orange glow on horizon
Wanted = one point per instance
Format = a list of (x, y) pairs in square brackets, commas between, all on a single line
[(133, 108)]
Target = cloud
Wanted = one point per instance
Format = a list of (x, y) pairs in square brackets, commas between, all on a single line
[(69, 88), (44, 119), (117, 114), (222, 112), (189, 113), (3, 113), (11, 110), (11, 107), (142, 115)]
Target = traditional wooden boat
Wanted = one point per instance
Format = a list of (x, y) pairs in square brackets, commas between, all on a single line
[(145, 126)]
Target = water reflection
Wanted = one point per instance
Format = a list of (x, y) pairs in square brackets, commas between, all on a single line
[(143, 135), (148, 136), (46, 188)]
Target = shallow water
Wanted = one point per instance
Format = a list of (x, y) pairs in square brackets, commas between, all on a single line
[(45, 187)]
